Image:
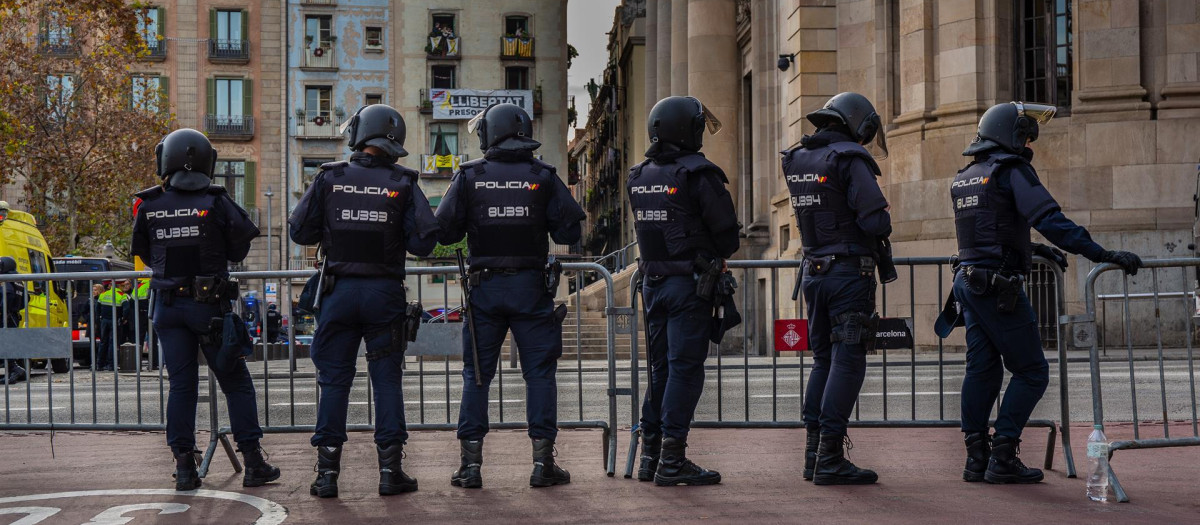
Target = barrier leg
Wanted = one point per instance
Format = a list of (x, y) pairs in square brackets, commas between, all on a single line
[(633, 444), (610, 452), (1049, 463), (208, 455), (1068, 456), (229, 451), (1118, 491)]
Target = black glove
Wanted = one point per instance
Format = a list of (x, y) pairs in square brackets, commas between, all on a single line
[(1051, 254), (1128, 261)]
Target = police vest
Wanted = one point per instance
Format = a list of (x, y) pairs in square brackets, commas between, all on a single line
[(185, 237), (507, 206), (666, 216), (986, 219), (364, 219), (818, 196)]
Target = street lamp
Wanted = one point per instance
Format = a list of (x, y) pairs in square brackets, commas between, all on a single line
[(269, 194)]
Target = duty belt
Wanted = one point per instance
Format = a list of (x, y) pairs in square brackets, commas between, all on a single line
[(822, 263)]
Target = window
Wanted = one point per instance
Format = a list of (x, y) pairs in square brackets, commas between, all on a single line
[(1044, 61), (443, 25), (60, 92), (150, 26), (318, 103), (58, 32), (229, 98), (516, 26), (318, 31), (146, 92), (443, 136), (443, 77), (374, 37), (227, 29), (373, 98), (785, 237), (232, 175), (37, 264), (439, 278), (309, 169), (516, 78)]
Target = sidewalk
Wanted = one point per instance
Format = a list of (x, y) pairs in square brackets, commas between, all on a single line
[(919, 470)]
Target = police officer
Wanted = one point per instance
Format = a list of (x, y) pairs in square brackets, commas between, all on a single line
[(843, 218), (188, 230), (506, 203), (13, 298), (109, 316), (683, 216), (365, 213), (996, 199), (273, 324)]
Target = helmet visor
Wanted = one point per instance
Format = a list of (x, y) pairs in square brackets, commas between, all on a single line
[(1042, 113), (473, 124), (878, 147), (346, 125), (711, 122)]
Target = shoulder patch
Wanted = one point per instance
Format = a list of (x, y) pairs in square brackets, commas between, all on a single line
[(150, 193), (335, 165)]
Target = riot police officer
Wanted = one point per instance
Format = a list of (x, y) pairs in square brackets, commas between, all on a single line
[(844, 222), (187, 230), (506, 203), (684, 219), (996, 199), (12, 295), (365, 213)]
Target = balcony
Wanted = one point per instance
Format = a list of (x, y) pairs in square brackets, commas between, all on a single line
[(426, 104), (57, 45), (319, 125), (229, 127), (429, 164), (229, 51), (156, 50), (516, 47), (446, 48), (319, 58), (327, 3)]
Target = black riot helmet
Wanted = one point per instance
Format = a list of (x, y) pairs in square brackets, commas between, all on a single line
[(1009, 126), (504, 126), (377, 125), (8, 265), (186, 159), (858, 115), (680, 122)]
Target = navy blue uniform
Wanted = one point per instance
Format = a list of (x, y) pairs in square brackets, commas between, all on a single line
[(842, 213), (682, 211), (506, 204), (365, 213), (997, 198), (182, 235)]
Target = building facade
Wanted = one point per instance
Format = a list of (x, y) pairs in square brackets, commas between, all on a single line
[(1119, 157)]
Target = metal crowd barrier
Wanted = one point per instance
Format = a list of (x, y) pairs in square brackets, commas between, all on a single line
[(1086, 331), (285, 401), (787, 375)]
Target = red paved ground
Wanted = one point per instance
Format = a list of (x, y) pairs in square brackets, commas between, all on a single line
[(919, 470)]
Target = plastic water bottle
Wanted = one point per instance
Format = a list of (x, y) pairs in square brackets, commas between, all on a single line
[(1097, 452)]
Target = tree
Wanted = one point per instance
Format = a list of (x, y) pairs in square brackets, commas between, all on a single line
[(77, 127)]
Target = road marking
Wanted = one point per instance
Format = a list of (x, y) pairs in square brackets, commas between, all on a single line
[(271, 513), (864, 394), (407, 402)]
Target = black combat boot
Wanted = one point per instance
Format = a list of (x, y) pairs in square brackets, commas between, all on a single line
[(545, 472), (979, 450), (651, 449), (258, 471), (186, 476), (392, 479), (1006, 467), (467, 476), (674, 468), (834, 469), (810, 453), (14, 374), (329, 462)]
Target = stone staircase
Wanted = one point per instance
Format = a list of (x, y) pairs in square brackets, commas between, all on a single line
[(588, 330)]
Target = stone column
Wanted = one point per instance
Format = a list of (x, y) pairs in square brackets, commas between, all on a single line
[(679, 46), (651, 67), (663, 59), (1182, 88), (1109, 61), (961, 36), (812, 34), (714, 78), (917, 81)]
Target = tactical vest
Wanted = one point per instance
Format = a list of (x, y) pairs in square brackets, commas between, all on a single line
[(364, 219), (506, 203), (818, 196), (185, 237), (986, 219), (666, 216)]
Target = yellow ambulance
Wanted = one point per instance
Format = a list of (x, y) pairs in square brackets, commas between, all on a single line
[(21, 240)]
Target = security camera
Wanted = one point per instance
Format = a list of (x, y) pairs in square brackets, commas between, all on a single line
[(785, 60)]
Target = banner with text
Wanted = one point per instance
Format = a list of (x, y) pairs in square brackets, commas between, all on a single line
[(465, 103)]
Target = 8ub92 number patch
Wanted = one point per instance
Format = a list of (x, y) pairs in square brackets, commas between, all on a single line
[(651, 216)]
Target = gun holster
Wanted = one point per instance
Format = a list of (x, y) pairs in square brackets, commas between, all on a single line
[(708, 276), (884, 262), (854, 328), (400, 332), (1005, 287), (215, 333), (553, 276), (412, 320)]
